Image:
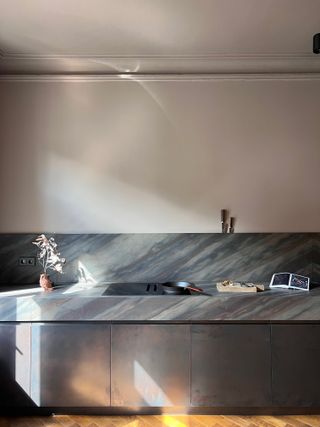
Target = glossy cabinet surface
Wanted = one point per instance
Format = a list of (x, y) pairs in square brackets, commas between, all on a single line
[(150, 365), (295, 363), (102, 365), (71, 365), (231, 365)]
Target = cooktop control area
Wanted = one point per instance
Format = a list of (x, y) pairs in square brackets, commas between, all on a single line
[(145, 289)]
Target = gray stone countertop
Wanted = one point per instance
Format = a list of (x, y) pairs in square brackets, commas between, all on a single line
[(81, 302)]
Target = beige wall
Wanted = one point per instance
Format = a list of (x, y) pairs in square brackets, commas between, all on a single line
[(159, 156)]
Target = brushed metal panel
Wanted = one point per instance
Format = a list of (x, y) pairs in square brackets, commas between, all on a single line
[(150, 365), (15, 365), (71, 365), (295, 363), (230, 365)]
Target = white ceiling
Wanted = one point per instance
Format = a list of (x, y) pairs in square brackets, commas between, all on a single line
[(32, 31)]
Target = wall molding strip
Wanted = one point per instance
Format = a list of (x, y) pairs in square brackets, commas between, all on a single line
[(159, 64), (156, 77)]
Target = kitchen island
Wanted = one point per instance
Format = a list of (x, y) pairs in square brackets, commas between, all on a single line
[(75, 350), (80, 302)]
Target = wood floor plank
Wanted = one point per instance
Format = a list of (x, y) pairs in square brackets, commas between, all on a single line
[(173, 420), (113, 422), (139, 421), (64, 420), (195, 422), (179, 421), (295, 422), (117, 421), (312, 420), (163, 421), (243, 422), (82, 420), (222, 420), (130, 421), (262, 421), (227, 421), (44, 422), (268, 421), (156, 420), (240, 422), (150, 420), (280, 421), (203, 420), (98, 421), (18, 422), (39, 421)]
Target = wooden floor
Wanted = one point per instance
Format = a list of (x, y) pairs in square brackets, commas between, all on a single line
[(163, 421)]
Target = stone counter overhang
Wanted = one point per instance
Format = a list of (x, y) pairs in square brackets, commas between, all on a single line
[(83, 303)]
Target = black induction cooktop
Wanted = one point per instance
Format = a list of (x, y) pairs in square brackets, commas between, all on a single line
[(145, 289)]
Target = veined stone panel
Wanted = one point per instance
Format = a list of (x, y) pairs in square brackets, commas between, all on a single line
[(160, 257)]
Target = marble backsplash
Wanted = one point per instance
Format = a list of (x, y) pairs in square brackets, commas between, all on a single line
[(161, 257)]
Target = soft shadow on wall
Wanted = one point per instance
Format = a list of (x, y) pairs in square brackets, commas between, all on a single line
[(160, 156)]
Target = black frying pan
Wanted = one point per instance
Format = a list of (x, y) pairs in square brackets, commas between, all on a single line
[(180, 287)]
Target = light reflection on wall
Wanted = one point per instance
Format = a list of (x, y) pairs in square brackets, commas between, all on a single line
[(159, 156), (85, 280), (85, 276)]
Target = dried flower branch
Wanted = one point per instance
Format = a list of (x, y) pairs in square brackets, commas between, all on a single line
[(48, 255)]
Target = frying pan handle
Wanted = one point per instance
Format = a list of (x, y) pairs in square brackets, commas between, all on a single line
[(194, 289)]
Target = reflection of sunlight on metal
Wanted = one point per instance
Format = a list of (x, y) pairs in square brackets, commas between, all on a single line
[(26, 304), (22, 358), (171, 421), (148, 388), (75, 288), (89, 391), (35, 381)]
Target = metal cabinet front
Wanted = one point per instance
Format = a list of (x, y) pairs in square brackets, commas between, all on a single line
[(295, 363), (71, 365), (150, 365), (231, 365), (15, 365)]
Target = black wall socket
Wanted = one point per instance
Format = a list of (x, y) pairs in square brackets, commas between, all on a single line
[(27, 261)]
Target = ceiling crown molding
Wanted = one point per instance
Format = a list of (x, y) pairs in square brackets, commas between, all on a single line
[(159, 64), (157, 77)]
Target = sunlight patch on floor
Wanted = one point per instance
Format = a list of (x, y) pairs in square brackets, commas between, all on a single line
[(171, 421)]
